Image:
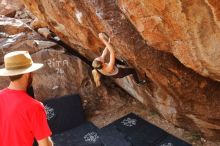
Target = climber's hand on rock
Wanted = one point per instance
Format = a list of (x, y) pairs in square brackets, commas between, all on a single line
[(104, 37), (100, 59)]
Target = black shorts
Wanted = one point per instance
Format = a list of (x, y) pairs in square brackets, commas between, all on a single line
[(122, 72)]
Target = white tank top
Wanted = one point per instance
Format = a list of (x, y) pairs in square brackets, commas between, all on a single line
[(115, 71)]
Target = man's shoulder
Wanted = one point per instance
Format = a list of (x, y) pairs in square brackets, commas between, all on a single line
[(35, 105), (35, 102), (2, 91), (31, 102)]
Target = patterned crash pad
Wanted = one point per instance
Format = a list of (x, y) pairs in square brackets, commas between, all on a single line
[(138, 131), (112, 137), (64, 113), (88, 134), (142, 133), (84, 135)]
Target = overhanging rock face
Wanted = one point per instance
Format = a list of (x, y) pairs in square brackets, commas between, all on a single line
[(172, 42), (63, 73)]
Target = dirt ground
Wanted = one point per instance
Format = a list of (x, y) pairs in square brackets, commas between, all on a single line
[(116, 107)]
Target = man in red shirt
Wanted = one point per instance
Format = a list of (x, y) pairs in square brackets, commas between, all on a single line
[(22, 118)]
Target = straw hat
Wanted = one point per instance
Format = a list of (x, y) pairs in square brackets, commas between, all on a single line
[(18, 62)]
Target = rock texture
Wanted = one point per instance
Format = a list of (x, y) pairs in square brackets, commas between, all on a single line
[(167, 40), (9, 7), (190, 30), (62, 74), (16, 35), (17, 4)]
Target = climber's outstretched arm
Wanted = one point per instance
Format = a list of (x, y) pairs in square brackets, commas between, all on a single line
[(102, 57), (104, 53), (111, 63), (110, 66)]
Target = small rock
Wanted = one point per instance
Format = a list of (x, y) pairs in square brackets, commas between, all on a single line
[(97, 112), (45, 32), (134, 103), (203, 140), (44, 44), (84, 105), (55, 87), (38, 24), (7, 11)]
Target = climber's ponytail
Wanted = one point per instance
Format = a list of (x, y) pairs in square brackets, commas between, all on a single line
[(96, 76)]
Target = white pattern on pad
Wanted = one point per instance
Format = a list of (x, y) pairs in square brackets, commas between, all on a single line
[(168, 144), (91, 137), (49, 112), (129, 122)]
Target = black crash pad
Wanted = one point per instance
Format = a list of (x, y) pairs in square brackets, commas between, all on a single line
[(64, 113), (172, 141), (84, 135), (112, 137), (142, 133)]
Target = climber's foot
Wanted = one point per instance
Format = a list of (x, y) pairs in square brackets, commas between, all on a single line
[(121, 62), (124, 62), (141, 82)]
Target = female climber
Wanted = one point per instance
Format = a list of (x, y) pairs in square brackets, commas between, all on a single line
[(110, 69)]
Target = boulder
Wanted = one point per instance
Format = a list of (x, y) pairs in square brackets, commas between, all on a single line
[(190, 30), (7, 11), (16, 35), (9, 7), (62, 74), (13, 26), (17, 4), (173, 43)]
